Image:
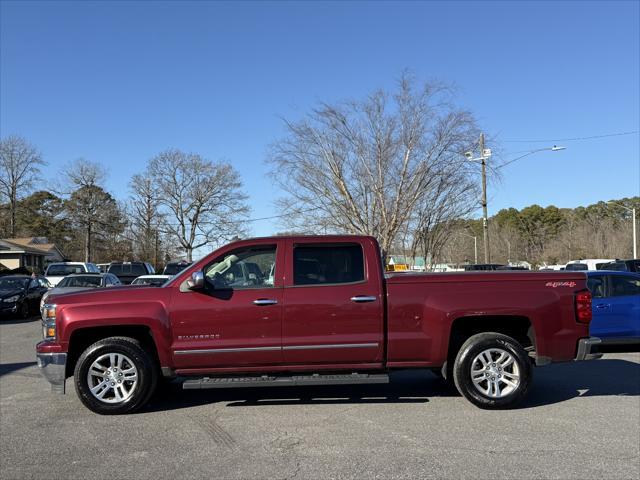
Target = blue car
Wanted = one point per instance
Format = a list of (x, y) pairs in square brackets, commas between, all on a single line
[(616, 306)]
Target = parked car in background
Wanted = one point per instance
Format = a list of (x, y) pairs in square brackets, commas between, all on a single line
[(173, 268), (548, 268), (482, 267), (127, 272), (104, 267), (616, 306), (153, 280), (632, 265), (81, 281), (20, 294), (57, 271), (587, 264)]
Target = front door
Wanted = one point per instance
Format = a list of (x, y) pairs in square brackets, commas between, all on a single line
[(237, 319), (333, 305)]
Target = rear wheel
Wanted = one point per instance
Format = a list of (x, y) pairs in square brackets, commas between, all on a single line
[(492, 371), (115, 375)]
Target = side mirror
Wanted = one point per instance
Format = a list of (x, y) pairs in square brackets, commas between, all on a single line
[(197, 281)]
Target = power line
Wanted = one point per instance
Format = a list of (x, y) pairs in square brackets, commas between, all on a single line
[(575, 138)]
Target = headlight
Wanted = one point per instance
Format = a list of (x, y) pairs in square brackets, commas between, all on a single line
[(49, 321), (13, 299)]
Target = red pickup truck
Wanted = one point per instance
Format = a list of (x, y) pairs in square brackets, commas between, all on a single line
[(313, 310)]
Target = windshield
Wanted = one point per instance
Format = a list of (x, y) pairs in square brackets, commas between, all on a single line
[(61, 269), (88, 281), (156, 282), (576, 266), (127, 269), (173, 268), (12, 283)]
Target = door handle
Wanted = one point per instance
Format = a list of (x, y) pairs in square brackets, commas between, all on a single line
[(264, 301), (363, 299), (603, 305)]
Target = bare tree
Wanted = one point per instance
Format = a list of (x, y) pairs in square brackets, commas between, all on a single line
[(20, 164), (448, 197), (146, 221), (92, 210), (365, 166), (202, 200)]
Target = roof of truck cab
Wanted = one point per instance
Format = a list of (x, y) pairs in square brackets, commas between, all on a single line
[(305, 237)]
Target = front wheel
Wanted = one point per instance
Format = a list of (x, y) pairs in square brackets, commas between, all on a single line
[(115, 375), (492, 371)]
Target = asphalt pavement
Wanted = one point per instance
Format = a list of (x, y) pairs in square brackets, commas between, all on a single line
[(581, 420)]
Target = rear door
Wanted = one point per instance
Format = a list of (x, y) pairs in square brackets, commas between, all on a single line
[(625, 305), (333, 305)]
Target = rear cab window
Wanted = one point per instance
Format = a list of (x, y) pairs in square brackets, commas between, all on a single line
[(61, 270), (596, 286)]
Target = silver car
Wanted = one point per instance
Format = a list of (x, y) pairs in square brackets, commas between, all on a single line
[(81, 281)]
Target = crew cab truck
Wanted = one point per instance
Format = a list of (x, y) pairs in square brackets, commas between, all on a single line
[(315, 310)]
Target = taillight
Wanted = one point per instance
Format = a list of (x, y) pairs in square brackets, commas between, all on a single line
[(583, 307)]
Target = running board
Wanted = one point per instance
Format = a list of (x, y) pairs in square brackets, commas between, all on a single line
[(284, 381)]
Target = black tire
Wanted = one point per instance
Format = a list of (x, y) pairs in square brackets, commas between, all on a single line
[(23, 310), (142, 360), (471, 350)]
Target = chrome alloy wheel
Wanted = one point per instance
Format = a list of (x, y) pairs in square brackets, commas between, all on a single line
[(112, 378), (495, 373)]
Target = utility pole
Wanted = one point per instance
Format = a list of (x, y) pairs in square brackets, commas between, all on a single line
[(485, 217), (635, 242), (155, 265)]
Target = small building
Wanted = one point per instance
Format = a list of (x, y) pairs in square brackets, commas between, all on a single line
[(30, 252)]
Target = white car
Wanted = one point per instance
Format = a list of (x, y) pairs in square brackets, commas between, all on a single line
[(57, 271), (153, 280), (587, 264)]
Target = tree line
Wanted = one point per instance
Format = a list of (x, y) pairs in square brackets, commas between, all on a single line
[(180, 202), (548, 235), (390, 165)]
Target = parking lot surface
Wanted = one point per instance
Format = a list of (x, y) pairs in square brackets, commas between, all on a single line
[(581, 420)]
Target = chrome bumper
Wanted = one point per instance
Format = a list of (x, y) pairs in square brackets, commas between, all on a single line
[(53, 368), (586, 348)]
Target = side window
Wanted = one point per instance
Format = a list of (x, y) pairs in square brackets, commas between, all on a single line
[(622, 286), (251, 267), (327, 264), (596, 286), (34, 283), (44, 283)]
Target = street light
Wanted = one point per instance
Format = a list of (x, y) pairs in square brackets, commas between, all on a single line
[(633, 217), (485, 153), (475, 245)]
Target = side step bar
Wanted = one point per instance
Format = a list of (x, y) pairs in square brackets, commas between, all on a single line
[(283, 381)]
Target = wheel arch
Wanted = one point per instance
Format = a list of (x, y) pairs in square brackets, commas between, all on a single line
[(518, 327), (82, 338)]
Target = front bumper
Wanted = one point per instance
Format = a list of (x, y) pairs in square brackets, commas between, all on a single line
[(53, 368), (587, 348)]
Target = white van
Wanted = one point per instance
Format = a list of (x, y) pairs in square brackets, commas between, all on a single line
[(587, 264), (57, 271)]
